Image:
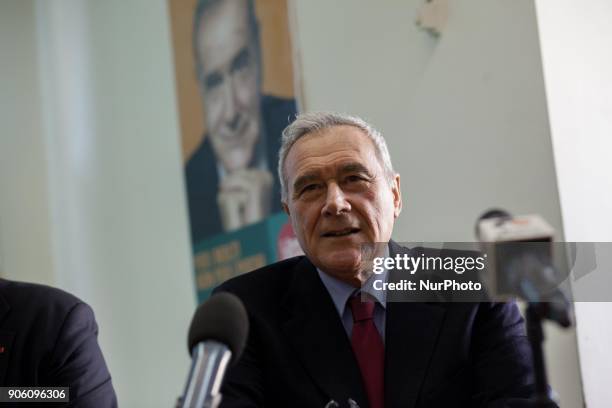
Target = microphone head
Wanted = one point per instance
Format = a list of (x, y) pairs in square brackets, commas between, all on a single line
[(490, 213), (494, 213), (221, 318)]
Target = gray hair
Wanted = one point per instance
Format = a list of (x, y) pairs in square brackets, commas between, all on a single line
[(313, 122)]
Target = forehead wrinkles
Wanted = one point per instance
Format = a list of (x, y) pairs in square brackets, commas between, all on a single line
[(223, 30), (326, 165), (313, 155)]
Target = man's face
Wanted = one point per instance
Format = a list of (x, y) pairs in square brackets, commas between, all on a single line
[(229, 80), (338, 198)]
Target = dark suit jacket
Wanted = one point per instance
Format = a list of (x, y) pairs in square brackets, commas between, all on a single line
[(49, 338), (201, 170), (437, 354)]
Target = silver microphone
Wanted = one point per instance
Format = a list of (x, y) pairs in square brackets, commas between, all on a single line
[(217, 337), (210, 360)]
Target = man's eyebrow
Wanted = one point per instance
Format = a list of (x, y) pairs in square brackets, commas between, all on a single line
[(304, 179), (354, 167)]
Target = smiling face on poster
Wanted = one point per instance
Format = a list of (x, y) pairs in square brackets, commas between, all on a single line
[(229, 72), (245, 99), (235, 91)]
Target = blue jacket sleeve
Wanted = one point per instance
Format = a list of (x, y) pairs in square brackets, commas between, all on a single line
[(77, 361)]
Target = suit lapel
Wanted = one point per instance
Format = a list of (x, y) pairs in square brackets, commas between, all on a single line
[(411, 334), (317, 335)]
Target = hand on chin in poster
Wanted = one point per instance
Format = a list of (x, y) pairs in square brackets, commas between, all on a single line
[(244, 197)]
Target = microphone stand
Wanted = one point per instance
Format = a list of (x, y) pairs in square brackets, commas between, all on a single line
[(555, 308), (535, 334)]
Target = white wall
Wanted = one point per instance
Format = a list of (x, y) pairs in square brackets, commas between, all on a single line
[(92, 190), (25, 241), (576, 38), (465, 116)]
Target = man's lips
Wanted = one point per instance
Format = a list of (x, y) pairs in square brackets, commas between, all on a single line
[(340, 232)]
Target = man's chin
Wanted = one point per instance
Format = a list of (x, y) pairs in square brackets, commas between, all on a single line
[(342, 265)]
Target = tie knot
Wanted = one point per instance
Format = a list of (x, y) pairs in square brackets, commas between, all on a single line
[(362, 310)]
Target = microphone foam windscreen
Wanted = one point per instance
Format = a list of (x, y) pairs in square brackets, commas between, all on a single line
[(221, 318), (494, 213), (491, 213)]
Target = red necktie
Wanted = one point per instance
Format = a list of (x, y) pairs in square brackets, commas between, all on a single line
[(369, 350)]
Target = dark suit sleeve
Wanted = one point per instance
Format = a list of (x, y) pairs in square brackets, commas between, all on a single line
[(502, 357), (77, 361), (243, 384)]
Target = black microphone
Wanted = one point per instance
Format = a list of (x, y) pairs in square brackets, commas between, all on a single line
[(216, 339)]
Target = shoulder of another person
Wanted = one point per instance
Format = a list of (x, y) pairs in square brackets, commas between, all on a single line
[(35, 293), (27, 301)]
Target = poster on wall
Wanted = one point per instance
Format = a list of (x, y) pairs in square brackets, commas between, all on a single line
[(235, 90)]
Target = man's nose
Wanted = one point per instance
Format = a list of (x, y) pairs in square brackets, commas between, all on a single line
[(230, 113), (335, 201)]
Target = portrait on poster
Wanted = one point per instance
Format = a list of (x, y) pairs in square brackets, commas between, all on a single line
[(235, 88)]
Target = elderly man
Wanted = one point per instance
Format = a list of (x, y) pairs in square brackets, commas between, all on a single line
[(230, 176), (314, 342)]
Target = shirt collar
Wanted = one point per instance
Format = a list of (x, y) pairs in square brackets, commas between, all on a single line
[(341, 291)]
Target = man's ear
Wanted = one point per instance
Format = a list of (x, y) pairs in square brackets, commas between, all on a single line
[(397, 195)]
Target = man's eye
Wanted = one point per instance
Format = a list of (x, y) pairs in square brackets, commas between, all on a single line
[(354, 178), (241, 61), (309, 188), (213, 80)]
